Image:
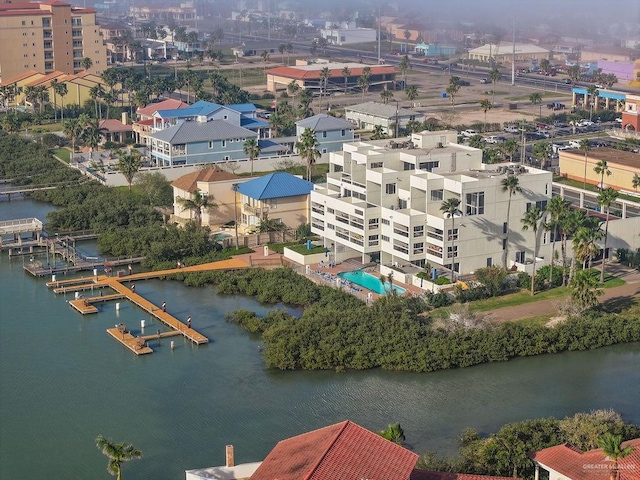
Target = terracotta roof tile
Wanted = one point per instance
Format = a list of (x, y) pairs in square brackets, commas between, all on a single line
[(430, 475), (577, 465), (152, 108), (113, 125), (22, 76), (344, 451), (189, 182)]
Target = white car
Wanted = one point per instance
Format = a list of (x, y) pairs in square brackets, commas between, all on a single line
[(511, 129), (468, 133), (618, 120), (574, 144), (494, 139), (585, 123)]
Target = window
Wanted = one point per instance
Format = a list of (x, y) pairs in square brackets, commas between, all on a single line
[(390, 188), (225, 117), (324, 150), (331, 211), (452, 251), (452, 234), (224, 143), (376, 165), (324, 134), (418, 231), (373, 223), (385, 238), (489, 261), (541, 205), (343, 133), (337, 168), (24, 23), (504, 244), (407, 166), (386, 222), (210, 144), (273, 203), (520, 257), (402, 204), (475, 203), (373, 240), (428, 166), (437, 195), (418, 248)]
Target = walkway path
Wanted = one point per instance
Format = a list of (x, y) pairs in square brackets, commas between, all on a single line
[(612, 297)]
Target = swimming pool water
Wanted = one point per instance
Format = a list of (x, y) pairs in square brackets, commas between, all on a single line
[(362, 278)]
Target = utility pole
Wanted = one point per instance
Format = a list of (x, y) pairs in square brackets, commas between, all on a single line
[(513, 58), (379, 22)]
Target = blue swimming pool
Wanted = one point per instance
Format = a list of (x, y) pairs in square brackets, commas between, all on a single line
[(362, 278)]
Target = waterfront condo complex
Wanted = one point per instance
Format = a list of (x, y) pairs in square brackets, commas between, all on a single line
[(383, 198)]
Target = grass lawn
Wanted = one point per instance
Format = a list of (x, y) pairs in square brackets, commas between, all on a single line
[(63, 154), (519, 298), (609, 280), (538, 321), (279, 247)]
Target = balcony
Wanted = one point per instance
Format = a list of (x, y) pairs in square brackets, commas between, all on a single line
[(255, 211)]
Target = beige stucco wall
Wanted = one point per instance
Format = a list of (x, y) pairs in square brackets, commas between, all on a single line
[(572, 165), (292, 211), (223, 197)]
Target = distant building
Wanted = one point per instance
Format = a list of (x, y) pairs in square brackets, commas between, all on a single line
[(631, 113), (367, 115), (434, 50), (331, 132), (622, 70), (308, 76), (503, 53), (610, 53), (347, 36), (48, 36)]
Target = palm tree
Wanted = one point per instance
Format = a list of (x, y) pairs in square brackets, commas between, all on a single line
[(307, 148), (584, 290), (394, 433), (585, 146), (557, 209), (53, 85), (252, 149), (385, 95), (592, 92), (494, 76), (411, 92), (635, 182), (378, 133), (95, 93), (325, 74), (585, 241), (602, 169), (61, 88), (485, 105), (450, 207), (403, 67), (346, 73), (363, 84), (536, 98), (128, 164), (197, 204), (510, 184), (531, 220), (509, 148), (292, 89), (289, 50), (118, 453), (73, 129), (86, 63), (605, 199), (265, 59), (453, 88), (92, 134), (612, 447), (282, 48)]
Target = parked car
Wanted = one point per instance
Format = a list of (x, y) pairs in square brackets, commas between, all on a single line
[(511, 129), (485, 80), (574, 144), (618, 120), (567, 81), (543, 133), (468, 133), (585, 123), (495, 139)]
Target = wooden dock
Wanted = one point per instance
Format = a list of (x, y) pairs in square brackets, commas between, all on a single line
[(86, 305), (137, 345)]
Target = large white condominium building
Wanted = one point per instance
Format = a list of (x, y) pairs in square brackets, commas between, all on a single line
[(382, 203)]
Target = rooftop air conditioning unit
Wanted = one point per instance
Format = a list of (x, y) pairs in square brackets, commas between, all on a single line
[(439, 145)]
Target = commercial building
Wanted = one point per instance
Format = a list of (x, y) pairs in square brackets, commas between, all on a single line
[(347, 36), (382, 203), (631, 113), (48, 36), (308, 76), (434, 50), (622, 165), (503, 53)]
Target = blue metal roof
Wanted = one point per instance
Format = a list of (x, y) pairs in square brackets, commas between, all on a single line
[(275, 185), (179, 112), (602, 93), (253, 123), (243, 107)]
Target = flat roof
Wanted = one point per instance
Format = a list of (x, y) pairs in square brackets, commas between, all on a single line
[(611, 155)]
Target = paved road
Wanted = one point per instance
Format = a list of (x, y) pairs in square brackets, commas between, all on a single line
[(613, 299)]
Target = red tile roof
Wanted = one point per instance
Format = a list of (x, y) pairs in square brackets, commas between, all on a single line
[(169, 104), (22, 76), (577, 465), (189, 182), (429, 475), (299, 74), (47, 78), (344, 451)]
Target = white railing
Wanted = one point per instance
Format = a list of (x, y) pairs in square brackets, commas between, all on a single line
[(20, 225)]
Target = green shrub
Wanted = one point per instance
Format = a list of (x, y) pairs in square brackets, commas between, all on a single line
[(524, 280), (442, 281)]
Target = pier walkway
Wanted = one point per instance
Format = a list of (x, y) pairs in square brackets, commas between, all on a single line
[(138, 344)]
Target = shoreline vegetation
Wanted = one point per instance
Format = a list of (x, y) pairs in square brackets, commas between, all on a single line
[(335, 331)]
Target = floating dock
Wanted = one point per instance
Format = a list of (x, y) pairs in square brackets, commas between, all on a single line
[(137, 345)]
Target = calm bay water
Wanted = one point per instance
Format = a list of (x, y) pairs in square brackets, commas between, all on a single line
[(63, 381)]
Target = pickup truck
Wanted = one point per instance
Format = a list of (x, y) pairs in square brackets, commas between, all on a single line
[(468, 133), (511, 129), (556, 106)]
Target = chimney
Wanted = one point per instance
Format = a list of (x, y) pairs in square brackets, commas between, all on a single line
[(229, 456), (125, 118)]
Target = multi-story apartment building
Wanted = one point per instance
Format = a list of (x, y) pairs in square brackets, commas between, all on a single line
[(48, 36), (382, 203)]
